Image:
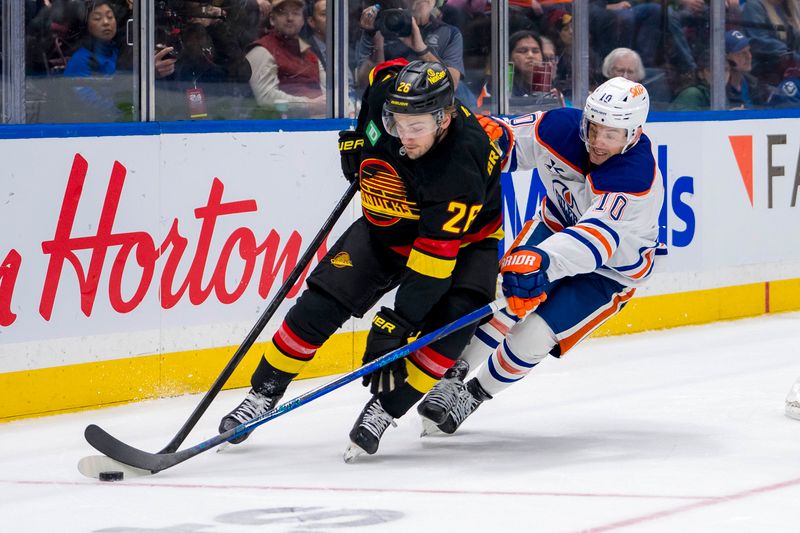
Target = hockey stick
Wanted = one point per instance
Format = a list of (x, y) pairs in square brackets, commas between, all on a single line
[(265, 317), (156, 462)]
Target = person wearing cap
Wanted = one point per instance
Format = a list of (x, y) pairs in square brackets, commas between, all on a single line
[(772, 26), (580, 260), (742, 85), (285, 72)]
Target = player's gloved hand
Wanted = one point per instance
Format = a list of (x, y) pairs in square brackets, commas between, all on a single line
[(525, 282), (389, 331), (499, 131), (350, 145)]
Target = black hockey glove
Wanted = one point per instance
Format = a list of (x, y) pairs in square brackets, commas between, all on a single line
[(350, 145), (389, 331)]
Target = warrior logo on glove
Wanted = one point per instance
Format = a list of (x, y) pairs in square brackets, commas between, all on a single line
[(525, 282)]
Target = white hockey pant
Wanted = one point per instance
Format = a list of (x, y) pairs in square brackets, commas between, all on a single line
[(508, 349)]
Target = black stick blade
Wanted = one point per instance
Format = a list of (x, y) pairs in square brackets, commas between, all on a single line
[(119, 451), (114, 448)]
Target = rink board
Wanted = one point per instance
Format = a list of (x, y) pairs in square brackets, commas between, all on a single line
[(134, 260)]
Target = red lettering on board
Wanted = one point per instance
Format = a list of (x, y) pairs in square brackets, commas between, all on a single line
[(9, 270), (240, 245)]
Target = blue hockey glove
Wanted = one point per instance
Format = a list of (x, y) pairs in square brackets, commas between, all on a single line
[(525, 282)]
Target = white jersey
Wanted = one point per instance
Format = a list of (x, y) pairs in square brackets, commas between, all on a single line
[(602, 218)]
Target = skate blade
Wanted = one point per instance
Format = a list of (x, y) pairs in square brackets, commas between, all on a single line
[(430, 429), (353, 452)]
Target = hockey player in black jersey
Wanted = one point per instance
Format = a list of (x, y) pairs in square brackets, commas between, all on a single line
[(431, 204)]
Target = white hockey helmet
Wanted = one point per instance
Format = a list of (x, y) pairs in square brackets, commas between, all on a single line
[(617, 103)]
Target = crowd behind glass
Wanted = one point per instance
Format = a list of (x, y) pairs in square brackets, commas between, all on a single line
[(269, 59)]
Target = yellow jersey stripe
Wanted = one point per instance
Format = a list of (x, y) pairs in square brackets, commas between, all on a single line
[(281, 361), (419, 379), (427, 265)]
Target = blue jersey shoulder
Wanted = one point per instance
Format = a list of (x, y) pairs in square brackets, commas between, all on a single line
[(559, 129), (632, 172)]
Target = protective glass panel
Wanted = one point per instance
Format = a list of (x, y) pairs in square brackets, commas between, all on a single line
[(664, 46), (233, 59), (81, 62), (457, 33), (762, 49), (539, 55)]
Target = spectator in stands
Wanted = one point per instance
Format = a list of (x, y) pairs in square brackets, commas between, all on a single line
[(314, 32), (742, 86), (286, 74), (638, 25), (627, 63), (787, 93), (697, 97), (549, 53), (773, 27), (623, 62), (96, 61), (97, 54), (559, 28), (533, 76), (430, 40), (526, 57)]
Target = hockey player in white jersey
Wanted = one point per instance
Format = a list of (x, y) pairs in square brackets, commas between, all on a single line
[(592, 242)]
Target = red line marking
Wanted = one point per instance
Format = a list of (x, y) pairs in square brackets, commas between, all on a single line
[(697, 505), (358, 489), (766, 296)]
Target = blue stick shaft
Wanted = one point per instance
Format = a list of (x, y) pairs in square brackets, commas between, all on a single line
[(421, 342)]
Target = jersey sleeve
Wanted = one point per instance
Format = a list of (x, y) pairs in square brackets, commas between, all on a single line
[(523, 153), (619, 231)]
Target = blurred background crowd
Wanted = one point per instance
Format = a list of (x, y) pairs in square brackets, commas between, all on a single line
[(272, 59)]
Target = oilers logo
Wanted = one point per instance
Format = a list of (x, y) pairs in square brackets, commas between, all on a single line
[(566, 202)]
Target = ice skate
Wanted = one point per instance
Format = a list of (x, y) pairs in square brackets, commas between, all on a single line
[(368, 429), (469, 399), (441, 399), (254, 405)]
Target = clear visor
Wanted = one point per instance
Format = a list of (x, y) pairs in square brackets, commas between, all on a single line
[(411, 126), (594, 134)]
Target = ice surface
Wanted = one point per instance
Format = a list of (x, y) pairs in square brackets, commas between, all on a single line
[(680, 430)]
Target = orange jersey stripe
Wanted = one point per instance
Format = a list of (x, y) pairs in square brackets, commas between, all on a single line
[(597, 235), (567, 343)]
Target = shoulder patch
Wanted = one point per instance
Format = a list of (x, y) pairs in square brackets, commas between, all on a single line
[(373, 132)]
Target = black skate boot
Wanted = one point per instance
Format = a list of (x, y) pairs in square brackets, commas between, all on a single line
[(368, 429), (260, 399), (470, 398), (254, 405), (443, 396)]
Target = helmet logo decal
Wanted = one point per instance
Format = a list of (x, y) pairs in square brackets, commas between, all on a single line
[(434, 77), (637, 90)]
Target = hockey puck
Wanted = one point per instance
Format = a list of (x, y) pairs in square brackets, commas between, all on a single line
[(113, 475)]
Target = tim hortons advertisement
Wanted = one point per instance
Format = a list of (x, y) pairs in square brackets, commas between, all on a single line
[(114, 247), (152, 244)]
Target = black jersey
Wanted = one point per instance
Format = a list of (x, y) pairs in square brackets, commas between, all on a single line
[(429, 208)]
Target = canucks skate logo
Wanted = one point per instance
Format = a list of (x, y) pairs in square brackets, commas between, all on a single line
[(554, 168), (566, 203), (384, 199)]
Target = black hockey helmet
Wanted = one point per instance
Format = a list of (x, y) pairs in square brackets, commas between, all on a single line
[(421, 87)]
